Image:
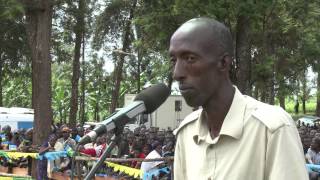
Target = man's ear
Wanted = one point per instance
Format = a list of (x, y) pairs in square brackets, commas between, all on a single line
[(225, 63)]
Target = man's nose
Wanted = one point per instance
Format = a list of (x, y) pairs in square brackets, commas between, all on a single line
[(179, 71)]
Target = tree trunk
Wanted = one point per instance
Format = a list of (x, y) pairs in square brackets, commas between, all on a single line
[(282, 93), (282, 102), (304, 106), (79, 28), (61, 115), (139, 73), (243, 55), (255, 92), (318, 95), (272, 90), (38, 27), (83, 81), (282, 96), (1, 67), (96, 113), (305, 92), (120, 57), (264, 93)]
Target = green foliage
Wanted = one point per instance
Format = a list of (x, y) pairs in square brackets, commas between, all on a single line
[(283, 39), (15, 76), (61, 82), (110, 21), (10, 9), (17, 92)]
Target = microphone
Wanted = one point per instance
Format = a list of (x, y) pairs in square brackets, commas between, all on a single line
[(147, 101)]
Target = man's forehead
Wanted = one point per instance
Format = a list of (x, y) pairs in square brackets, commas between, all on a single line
[(191, 29), (192, 36)]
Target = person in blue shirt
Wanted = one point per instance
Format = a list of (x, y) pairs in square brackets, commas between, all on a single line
[(5, 130)]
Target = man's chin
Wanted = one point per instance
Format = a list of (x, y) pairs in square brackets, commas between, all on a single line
[(191, 101)]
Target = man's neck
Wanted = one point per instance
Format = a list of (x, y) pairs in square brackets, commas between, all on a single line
[(216, 110)]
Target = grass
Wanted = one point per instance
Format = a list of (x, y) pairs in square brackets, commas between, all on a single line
[(311, 105)]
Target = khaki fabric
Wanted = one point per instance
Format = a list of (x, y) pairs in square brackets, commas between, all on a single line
[(256, 142)]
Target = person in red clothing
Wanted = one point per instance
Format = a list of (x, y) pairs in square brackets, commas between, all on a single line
[(89, 151)]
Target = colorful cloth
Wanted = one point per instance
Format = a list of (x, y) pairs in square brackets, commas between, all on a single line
[(15, 178), (155, 173), (48, 155), (53, 155), (127, 170), (17, 155), (313, 167), (69, 150), (77, 139), (4, 154)]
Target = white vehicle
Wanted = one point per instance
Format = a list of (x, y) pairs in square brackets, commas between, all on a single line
[(16, 118), (309, 120)]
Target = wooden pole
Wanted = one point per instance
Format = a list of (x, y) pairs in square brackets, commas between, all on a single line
[(82, 158)]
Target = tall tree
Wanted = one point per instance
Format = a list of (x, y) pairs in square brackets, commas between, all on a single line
[(119, 64), (243, 54), (79, 32), (117, 16), (38, 26), (83, 85)]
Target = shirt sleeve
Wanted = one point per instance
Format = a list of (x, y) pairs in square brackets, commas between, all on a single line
[(179, 171), (284, 156)]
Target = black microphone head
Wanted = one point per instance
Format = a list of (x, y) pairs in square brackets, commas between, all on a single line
[(153, 96)]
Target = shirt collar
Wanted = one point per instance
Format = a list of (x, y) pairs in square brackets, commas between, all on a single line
[(232, 125)]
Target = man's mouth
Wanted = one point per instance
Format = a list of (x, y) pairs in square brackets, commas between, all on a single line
[(185, 89)]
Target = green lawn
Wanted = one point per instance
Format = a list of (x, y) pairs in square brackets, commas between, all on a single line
[(310, 108)]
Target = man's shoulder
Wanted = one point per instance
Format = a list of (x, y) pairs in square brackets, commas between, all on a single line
[(273, 117), (60, 140), (187, 120), (72, 141)]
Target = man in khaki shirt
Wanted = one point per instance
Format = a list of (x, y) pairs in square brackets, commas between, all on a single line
[(233, 137)]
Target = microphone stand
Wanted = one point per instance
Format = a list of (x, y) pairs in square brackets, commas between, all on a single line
[(114, 140)]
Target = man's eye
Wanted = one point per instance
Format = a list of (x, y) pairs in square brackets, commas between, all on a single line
[(173, 61), (190, 59)]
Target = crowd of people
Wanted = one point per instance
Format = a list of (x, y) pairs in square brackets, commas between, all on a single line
[(142, 142), (310, 138)]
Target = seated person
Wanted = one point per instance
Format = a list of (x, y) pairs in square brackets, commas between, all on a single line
[(26, 144), (66, 143), (313, 157), (42, 164)]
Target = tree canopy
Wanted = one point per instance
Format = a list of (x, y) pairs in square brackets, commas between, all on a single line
[(276, 48)]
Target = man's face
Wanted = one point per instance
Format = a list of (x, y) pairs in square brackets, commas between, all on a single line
[(159, 148), (74, 132), (194, 59), (146, 150), (52, 141), (81, 132), (315, 146), (65, 134)]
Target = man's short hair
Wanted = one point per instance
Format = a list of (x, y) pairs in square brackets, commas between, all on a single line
[(220, 33)]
